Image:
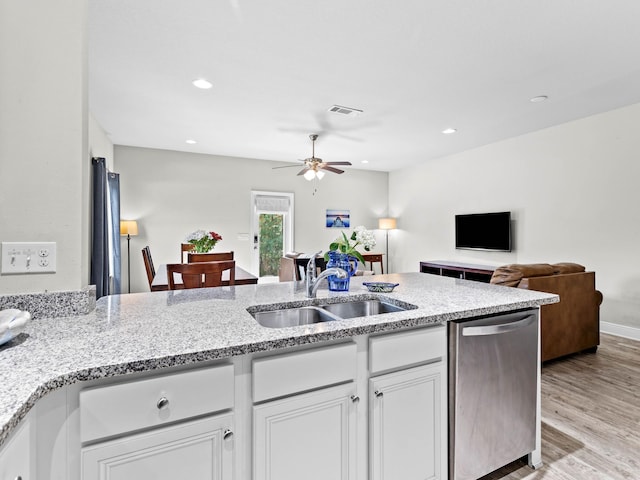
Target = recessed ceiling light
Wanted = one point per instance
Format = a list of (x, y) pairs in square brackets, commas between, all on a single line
[(364, 161), (539, 98), (448, 131), (202, 83), (191, 141)]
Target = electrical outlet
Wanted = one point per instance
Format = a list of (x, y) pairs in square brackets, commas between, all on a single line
[(28, 257)]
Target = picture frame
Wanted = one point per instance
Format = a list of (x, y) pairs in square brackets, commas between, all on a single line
[(338, 218)]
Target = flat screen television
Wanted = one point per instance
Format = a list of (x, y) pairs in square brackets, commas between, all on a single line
[(484, 231)]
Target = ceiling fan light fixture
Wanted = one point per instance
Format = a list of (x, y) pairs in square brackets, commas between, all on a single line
[(319, 174), (309, 175)]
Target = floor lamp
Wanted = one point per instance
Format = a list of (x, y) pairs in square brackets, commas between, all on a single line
[(128, 228), (387, 224)]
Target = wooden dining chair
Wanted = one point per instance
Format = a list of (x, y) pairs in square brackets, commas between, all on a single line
[(209, 257), (185, 247), (198, 275), (148, 264)]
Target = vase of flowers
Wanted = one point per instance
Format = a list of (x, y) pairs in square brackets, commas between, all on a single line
[(343, 254), (202, 240)]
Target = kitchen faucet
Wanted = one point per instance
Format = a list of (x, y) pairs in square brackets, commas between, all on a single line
[(312, 282)]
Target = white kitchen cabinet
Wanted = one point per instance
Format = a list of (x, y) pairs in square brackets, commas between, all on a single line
[(309, 436), (407, 424), (16, 456), (200, 449)]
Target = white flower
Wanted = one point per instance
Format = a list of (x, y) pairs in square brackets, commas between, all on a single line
[(365, 237), (197, 235)]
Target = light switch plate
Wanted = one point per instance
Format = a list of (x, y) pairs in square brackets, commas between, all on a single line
[(28, 257)]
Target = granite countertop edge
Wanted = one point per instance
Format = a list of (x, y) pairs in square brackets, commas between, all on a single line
[(37, 381)]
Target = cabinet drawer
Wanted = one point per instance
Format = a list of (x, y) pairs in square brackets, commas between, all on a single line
[(115, 409), (296, 372), (398, 350)]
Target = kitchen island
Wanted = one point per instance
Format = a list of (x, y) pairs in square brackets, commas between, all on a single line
[(137, 336)]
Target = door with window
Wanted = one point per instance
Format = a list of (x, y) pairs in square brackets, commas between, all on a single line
[(272, 231)]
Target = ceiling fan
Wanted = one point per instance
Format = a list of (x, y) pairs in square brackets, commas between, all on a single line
[(314, 166)]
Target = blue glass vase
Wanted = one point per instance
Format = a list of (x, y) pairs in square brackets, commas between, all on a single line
[(346, 262)]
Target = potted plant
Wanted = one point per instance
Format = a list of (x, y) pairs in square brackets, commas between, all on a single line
[(343, 254), (202, 240)]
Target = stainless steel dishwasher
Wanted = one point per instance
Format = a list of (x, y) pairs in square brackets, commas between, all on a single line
[(492, 392)]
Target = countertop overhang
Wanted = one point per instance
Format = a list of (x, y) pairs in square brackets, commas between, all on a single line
[(150, 331)]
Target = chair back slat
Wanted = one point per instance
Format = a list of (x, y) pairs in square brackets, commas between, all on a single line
[(185, 247), (148, 264), (201, 274), (209, 257)]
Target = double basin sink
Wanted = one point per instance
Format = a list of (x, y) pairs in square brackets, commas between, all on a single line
[(305, 315)]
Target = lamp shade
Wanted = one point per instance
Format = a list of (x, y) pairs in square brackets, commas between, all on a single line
[(386, 223), (128, 227)]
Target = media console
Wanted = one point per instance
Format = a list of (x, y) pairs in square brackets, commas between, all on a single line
[(467, 271)]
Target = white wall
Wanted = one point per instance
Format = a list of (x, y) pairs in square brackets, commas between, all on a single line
[(43, 136), (573, 192), (174, 193)]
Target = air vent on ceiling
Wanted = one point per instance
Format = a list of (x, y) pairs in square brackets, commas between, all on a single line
[(352, 112)]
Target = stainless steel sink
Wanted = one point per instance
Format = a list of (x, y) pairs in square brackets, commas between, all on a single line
[(292, 317), (295, 316), (361, 308)]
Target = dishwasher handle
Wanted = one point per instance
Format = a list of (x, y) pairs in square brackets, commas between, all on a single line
[(506, 327)]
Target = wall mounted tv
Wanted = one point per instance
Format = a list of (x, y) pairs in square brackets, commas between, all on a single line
[(484, 231)]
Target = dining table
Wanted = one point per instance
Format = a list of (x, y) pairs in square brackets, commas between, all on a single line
[(160, 282)]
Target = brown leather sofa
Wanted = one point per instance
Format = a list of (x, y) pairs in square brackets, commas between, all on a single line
[(573, 324)]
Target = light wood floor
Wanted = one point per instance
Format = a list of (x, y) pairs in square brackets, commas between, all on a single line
[(590, 417)]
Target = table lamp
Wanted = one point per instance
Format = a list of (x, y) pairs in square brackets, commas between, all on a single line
[(386, 224), (128, 228)]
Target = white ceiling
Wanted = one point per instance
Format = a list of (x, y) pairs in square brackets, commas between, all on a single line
[(415, 67)]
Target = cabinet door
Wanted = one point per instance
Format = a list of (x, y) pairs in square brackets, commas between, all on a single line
[(309, 436), (407, 424), (194, 450), (15, 456)]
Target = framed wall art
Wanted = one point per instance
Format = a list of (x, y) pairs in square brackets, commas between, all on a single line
[(338, 219)]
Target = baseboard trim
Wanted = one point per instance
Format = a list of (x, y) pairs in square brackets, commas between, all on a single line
[(620, 330)]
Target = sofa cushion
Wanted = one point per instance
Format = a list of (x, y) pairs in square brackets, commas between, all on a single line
[(510, 275), (567, 267)]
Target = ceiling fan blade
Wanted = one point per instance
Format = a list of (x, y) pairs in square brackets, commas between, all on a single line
[(330, 169), (304, 170), (285, 166), (337, 163)]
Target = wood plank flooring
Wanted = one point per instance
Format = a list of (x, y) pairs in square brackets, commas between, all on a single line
[(590, 417)]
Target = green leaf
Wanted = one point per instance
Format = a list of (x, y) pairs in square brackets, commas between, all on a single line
[(357, 254)]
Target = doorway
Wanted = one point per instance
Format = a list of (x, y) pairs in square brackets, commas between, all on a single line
[(271, 231)]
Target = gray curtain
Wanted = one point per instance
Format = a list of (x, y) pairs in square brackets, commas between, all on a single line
[(105, 245), (113, 180)]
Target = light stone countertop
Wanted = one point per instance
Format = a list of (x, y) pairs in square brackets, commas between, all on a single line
[(148, 331)]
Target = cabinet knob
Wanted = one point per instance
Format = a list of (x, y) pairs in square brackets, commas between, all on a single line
[(227, 434), (19, 477), (355, 398), (378, 393), (162, 403)]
